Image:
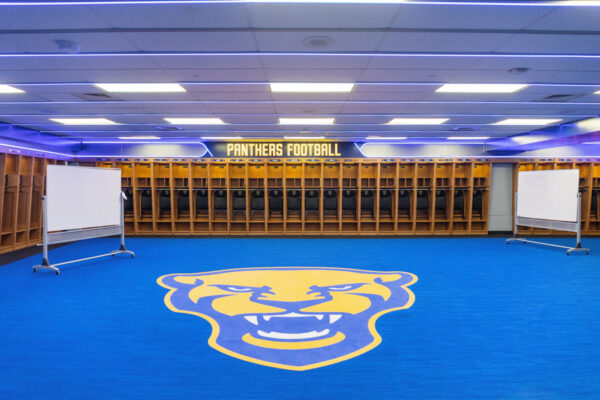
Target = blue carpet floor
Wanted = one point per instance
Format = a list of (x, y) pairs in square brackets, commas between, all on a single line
[(489, 321)]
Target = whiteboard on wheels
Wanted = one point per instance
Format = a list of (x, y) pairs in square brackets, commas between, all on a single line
[(82, 197), (548, 194)]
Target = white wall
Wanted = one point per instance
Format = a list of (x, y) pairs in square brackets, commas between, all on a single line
[(500, 217)]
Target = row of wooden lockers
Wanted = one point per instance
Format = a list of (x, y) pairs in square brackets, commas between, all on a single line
[(179, 204)]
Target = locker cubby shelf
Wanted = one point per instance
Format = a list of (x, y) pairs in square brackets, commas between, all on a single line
[(22, 180)]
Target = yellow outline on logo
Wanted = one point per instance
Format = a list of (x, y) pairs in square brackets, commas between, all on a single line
[(212, 340)]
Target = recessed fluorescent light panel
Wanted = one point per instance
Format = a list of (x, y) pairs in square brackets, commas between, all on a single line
[(303, 137), (6, 89), (385, 138), (195, 121), (311, 87), (306, 121), (467, 137), (527, 121), (83, 121), (141, 87), (220, 137), (480, 88), (138, 137), (417, 121)]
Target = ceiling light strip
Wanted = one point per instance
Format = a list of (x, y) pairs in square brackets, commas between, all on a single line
[(300, 54), (316, 115), (416, 122), (139, 137), (141, 87), (526, 122), (279, 131), (413, 102), (194, 121), (566, 3), (265, 83), (468, 138)]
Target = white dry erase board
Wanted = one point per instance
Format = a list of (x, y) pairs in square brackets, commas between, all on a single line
[(82, 197), (549, 194)]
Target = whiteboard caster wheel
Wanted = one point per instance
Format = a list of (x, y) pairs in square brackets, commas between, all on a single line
[(35, 270)]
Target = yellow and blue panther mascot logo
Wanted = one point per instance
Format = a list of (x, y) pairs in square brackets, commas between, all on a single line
[(295, 318)]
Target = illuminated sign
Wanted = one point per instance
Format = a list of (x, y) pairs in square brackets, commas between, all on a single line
[(286, 149)]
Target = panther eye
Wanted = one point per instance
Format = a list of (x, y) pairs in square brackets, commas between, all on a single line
[(344, 288), (235, 289)]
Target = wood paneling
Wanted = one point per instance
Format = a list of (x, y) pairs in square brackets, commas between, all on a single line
[(306, 197)]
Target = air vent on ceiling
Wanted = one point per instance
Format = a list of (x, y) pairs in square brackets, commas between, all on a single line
[(561, 97), (96, 97), (318, 41)]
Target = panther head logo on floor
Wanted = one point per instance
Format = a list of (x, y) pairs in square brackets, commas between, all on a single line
[(294, 318)]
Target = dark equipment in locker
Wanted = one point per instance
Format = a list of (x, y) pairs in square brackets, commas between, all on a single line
[(440, 200), (367, 203), (330, 203), (146, 203), (238, 203), (385, 203), (294, 202), (128, 203), (422, 200), (440, 204), (183, 202), (220, 203), (477, 203), (202, 202), (404, 203), (311, 202), (257, 202), (349, 202), (276, 203), (459, 202), (164, 203), (594, 205)]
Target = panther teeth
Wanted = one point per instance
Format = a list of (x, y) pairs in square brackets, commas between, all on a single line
[(294, 336), (253, 319), (334, 317)]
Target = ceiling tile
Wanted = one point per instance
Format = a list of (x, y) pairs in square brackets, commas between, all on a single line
[(50, 18), (342, 41), (467, 17), (408, 75), (169, 16), (552, 44), (217, 75), (443, 42), (312, 75), (274, 15), (192, 41), (570, 18)]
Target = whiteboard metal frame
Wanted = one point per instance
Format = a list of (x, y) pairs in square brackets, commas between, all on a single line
[(549, 224), (80, 234)]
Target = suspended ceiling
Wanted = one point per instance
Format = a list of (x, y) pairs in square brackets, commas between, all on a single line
[(225, 54)]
